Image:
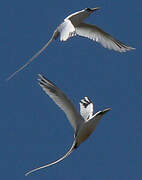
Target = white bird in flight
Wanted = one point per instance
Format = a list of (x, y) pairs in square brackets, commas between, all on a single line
[(83, 123), (73, 25)]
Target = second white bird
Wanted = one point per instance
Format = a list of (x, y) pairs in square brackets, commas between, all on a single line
[(84, 123), (74, 25)]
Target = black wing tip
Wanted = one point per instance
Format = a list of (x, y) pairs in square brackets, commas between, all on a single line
[(131, 48), (85, 101), (44, 81), (126, 48), (43, 78), (123, 47)]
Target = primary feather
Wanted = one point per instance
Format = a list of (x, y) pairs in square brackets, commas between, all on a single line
[(97, 34), (60, 98)]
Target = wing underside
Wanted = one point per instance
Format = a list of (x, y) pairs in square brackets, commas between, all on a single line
[(62, 101), (95, 33)]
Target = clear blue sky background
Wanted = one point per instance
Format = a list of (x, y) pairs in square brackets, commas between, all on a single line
[(33, 130)]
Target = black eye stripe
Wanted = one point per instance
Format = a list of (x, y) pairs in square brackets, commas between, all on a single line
[(85, 104), (88, 9), (86, 100)]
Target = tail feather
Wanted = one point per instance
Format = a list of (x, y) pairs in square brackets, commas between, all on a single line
[(55, 162), (30, 60), (54, 37)]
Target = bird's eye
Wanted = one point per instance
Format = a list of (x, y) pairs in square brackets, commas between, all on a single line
[(88, 9)]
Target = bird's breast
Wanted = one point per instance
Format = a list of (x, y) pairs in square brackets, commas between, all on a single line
[(83, 134)]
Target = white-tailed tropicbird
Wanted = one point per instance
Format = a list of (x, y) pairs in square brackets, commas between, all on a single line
[(84, 123), (74, 25)]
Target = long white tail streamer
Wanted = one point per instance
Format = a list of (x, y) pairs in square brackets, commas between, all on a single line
[(55, 162), (31, 59)]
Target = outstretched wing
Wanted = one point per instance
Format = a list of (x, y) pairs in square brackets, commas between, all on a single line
[(55, 162), (95, 33), (62, 101), (86, 108)]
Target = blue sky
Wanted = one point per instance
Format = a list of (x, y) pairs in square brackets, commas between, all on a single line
[(33, 130)]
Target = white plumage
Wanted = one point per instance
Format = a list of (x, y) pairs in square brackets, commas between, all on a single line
[(86, 108), (66, 30), (74, 25), (84, 123)]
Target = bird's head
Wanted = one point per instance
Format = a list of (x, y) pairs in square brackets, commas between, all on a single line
[(92, 9)]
